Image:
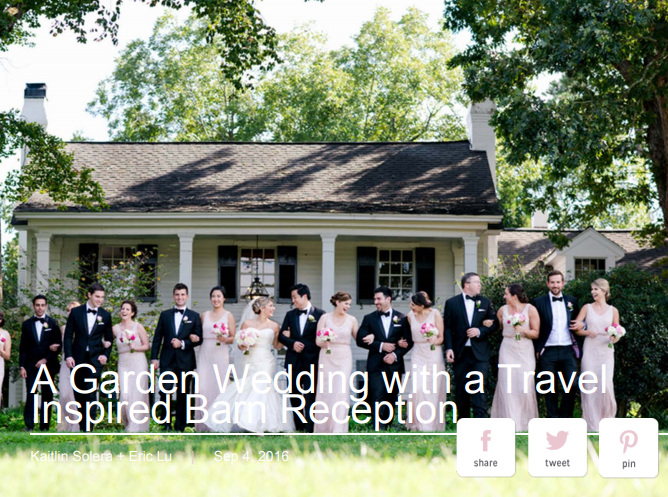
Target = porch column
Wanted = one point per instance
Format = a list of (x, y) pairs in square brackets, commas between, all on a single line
[(470, 253), (492, 253), (186, 260), (43, 259), (24, 264), (328, 271)]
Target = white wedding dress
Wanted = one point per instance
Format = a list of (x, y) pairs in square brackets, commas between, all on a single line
[(244, 412)]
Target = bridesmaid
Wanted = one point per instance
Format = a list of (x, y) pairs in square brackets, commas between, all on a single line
[(339, 360), (598, 315), (214, 349), (424, 357), (65, 393), (129, 362), (5, 351), (517, 405)]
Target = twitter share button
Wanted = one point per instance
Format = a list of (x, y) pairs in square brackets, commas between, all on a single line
[(557, 447)]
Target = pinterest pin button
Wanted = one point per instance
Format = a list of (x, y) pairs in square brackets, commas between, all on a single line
[(628, 448)]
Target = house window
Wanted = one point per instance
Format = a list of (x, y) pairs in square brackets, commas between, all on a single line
[(584, 265), (396, 271), (112, 257), (266, 268)]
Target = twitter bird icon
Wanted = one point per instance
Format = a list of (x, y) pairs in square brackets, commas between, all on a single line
[(557, 441)]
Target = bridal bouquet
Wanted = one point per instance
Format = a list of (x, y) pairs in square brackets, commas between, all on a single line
[(220, 330), (615, 330), (428, 330), (517, 320), (247, 338), (128, 337), (326, 335)]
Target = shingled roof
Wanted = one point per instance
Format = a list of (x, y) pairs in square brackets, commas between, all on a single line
[(416, 178), (532, 246)]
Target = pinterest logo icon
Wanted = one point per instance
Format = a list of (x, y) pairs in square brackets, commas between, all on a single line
[(628, 439)]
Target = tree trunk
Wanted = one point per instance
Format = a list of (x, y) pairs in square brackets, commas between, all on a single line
[(657, 142)]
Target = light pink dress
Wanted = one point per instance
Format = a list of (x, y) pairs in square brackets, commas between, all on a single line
[(424, 359), (65, 395), (517, 405), (340, 359), (131, 362), (209, 354), (598, 405), (4, 334)]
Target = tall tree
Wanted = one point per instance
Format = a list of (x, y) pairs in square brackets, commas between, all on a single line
[(390, 85), (600, 134)]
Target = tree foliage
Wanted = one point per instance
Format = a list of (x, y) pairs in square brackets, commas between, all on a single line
[(391, 85), (600, 134)]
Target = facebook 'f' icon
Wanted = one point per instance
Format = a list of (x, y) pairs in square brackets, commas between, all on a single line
[(486, 437)]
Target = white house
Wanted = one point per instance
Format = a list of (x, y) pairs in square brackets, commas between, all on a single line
[(335, 216)]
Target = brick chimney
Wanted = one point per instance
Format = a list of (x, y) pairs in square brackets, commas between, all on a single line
[(481, 134), (34, 109)]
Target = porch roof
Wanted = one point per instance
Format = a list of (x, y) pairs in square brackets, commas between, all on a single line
[(444, 178)]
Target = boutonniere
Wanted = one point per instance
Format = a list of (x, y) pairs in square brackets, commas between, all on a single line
[(185, 319), (311, 319), (570, 306), (99, 320), (395, 319), (477, 304)]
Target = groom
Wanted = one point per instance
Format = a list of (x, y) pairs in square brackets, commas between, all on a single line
[(380, 333), (87, 327), (300, 326), (556, 348), (172, 335), (40, 339), (467, 343)]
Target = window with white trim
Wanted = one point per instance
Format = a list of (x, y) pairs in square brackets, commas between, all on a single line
[(396, 270), (584, 265), (265, 258)]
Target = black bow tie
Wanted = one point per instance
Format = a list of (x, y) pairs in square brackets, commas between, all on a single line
[(386, 314), (468, 297), (557, 299), (92, 311), (41, 320), (302, 311), (182, 311)]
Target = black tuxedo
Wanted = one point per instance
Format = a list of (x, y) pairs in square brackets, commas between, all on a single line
[(85, 348), (559, 358), (31, 351), (177, 360), (372, 324), (473, 358), (302, 361)]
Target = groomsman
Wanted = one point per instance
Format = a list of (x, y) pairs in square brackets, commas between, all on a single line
[(467, 342), (172, 335), (380, 333), (87, 327), (40, 339), (300, 325), (557, 350)]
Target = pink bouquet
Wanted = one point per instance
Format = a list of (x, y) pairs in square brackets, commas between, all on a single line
[(220, 330), (615, 330), (326, 335), (129, 338), (246, 338), (429, 330), (517, 320)]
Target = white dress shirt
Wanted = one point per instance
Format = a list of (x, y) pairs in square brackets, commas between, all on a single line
[(470, 309), (303, 317), (387, 323), (560, 334), (39, 327), (178, 317), (91, 318)]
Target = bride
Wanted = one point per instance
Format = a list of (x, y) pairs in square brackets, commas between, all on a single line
[(245, 411)]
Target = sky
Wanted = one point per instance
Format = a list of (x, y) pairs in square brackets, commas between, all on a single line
[(72, 70)]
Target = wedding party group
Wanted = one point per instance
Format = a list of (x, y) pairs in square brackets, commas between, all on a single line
[(539, 340)]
